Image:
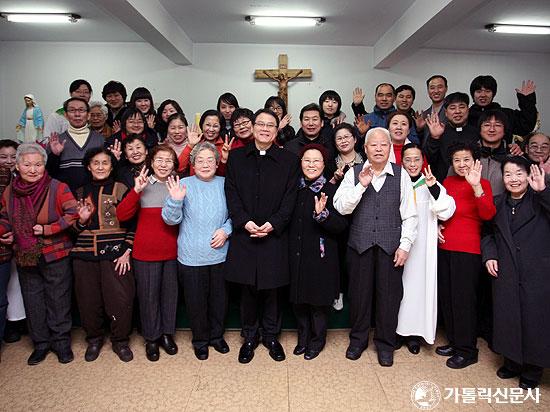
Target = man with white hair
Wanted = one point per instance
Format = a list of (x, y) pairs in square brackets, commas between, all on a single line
[(379, 196), (98, 119)]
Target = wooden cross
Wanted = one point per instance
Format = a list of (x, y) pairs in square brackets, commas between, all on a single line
[(283, 75)]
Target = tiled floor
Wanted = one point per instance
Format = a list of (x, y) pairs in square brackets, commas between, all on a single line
[(182, 383)]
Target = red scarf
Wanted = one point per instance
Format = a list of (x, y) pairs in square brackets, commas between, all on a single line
[(27, 200)]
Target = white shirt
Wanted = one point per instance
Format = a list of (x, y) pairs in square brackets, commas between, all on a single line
[(349, 194)]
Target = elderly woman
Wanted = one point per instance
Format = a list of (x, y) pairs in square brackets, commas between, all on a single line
[(101, 259), (313, 252), (155, 251), (133, 122), (459, 256), (38, 210), (516, 254), (176, 137), (418, 311), (198, 205), (98, 119), (134, 154)]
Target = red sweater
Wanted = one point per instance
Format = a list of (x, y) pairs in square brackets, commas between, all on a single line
[(155, 240), (463, 231)]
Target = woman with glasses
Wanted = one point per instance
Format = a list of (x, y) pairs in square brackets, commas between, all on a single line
[(155, 251), (242, 120), (286, 132)]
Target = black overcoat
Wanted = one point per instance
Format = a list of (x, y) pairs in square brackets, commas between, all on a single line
[(521, 292), (314, 260), (261, 189)]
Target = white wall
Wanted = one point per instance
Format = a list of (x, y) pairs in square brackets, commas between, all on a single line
[(46, 69)]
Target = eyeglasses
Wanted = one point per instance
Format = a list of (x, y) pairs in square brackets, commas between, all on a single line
[(312, 161), (542, 148), (241, 124), (263, 125), (160, 161), (340, 139), (276, 108), (488, 125), (210, 161), (81, 110)]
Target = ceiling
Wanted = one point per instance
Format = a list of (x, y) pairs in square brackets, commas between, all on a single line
[(349, 22)]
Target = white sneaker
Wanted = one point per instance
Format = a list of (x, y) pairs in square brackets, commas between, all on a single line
[(338, 304)]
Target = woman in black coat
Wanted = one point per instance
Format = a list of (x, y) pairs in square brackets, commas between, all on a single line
[(313, 252), (517, 255)]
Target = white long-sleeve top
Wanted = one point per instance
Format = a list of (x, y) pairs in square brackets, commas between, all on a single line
[(349, 195)]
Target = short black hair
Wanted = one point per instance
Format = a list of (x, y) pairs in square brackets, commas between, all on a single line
[(275, 99), (385, 84), (131, 138), (331, 94), (214, 113), (498, 115), (129, 112), (91, 153), (436, 76), (458, 146), (312, 107), (242, 112), (75, 84), (114, 87), (411, 146), (8, 143), (406, 87), (345, 126), (396, 113), (175, 116), (456, 97), (269, 112), (228, 98), (163, 147), (520, 161), (75, 99), (483, 82)]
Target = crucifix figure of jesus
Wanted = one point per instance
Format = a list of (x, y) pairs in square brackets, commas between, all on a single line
[(283, 75)]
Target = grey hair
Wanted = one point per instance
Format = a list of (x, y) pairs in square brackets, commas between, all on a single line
[(100, 105), (204, 146), (30, 148), (374, 130)]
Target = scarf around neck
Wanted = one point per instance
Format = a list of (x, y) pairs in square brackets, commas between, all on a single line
[(315, 186)]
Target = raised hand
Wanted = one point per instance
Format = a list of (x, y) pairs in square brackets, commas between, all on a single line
[(362, 125), (320, 203), (419, 120), (536, 178), (116, 126), (366, 175), (473, 176), (515, 150), (339, 174), (226, 148), (527, 87), (434, 124), (116, 149), (85, 209), (122, 263), (429, 177), (492, 267), (193, 135), (358, 96), (177, 191), (151, 121), (56, 146), (285, 121), (218, 239), (141, 180)]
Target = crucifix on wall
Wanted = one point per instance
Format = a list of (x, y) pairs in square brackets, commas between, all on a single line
[(283, 75)]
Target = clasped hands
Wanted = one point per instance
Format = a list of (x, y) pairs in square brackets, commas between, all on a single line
[(258, 231)]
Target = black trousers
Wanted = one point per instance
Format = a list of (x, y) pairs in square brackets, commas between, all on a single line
[(157, 291), (457, 285), (46, 290), (99, 289), (527, 371), (312, 322), (261, 313), (373, 273), (205, 300)]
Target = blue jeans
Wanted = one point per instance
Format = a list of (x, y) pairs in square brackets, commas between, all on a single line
[(4, 280)]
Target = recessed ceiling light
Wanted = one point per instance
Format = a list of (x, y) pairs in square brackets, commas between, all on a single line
[(517, 29), (282, 21), (41, 17)]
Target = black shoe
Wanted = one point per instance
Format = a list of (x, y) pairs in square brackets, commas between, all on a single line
[(385, 358), (201, 353), (354, 353), (460, 362), (413, 346), (123, 352), (92, 352), (311, 354), (37, 356), (64, 355), (299, 350), (168, 344), (525, 383), (504, 373), (152, 350), (246, 353), (221, 346), (11, 332), (276, 351), (446, 350)]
